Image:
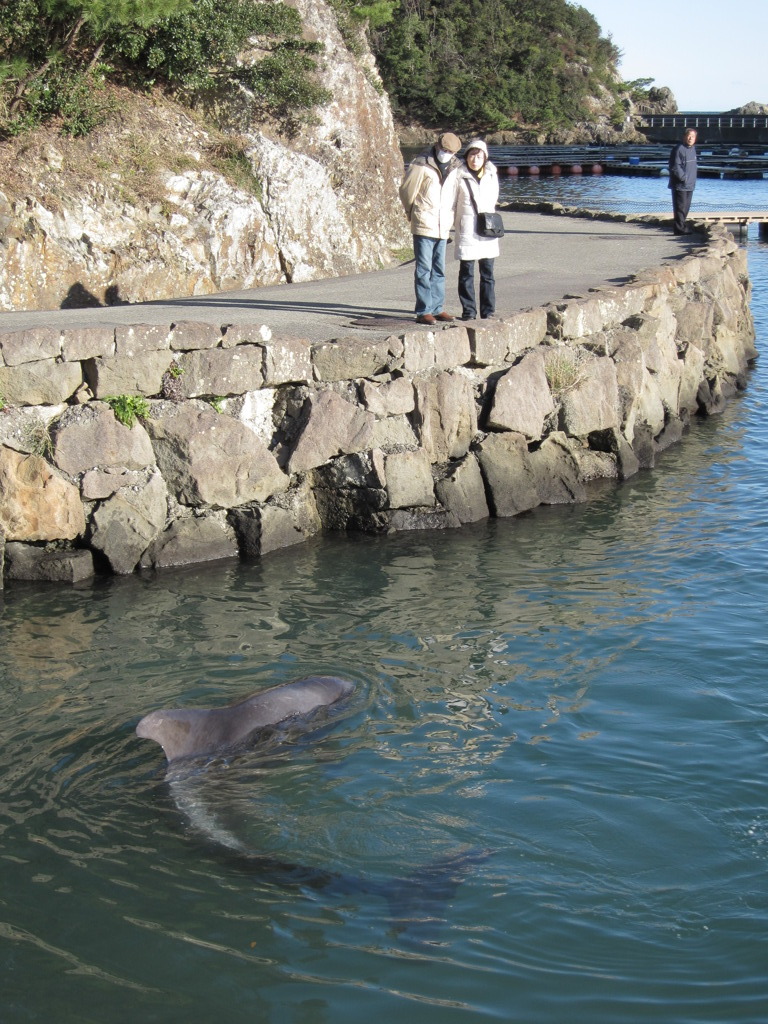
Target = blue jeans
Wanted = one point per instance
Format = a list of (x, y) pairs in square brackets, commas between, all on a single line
[(429, 276), (467, 289)]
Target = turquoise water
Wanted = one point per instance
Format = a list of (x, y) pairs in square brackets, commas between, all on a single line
[(546, 802)]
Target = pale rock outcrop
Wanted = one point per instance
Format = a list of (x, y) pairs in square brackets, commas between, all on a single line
[(695, 320), (522, 400), (211, 459), (462, 492), (256, 410), (133, 340), (55, 565), (349, 358), (691, 375), (195, 336), (434, 350), (35, 502), (205, 539), (508, 474), (452, 348), (656, 336), (45, 382), (98, 484), (125, 375), (332, 426), (26, 428), (29, 346), (409, 479), (647, 409), (593, 402), (125, 524), (325, 204), (496, 342), (220, 371), (89, 436), (286, 361), (388, 397), (394, 432), (445, 417), (88, 343)]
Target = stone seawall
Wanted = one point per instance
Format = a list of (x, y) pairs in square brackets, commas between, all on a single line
[(244, 442)]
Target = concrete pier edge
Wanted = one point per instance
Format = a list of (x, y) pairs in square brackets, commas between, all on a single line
[(244, 442)]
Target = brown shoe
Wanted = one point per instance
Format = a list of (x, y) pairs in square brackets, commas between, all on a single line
[(445, 317), (426, 318)]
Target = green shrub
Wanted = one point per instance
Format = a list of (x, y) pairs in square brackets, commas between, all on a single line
[(55, 56), (128, 408)]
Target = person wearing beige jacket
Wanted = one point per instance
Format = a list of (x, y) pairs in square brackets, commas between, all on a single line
[(428, 195)]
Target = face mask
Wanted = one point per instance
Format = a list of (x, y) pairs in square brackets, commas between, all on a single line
[(443, 156)]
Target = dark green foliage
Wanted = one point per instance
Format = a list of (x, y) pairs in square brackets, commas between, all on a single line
[(74, 94), (639, 89), (490, 64), (55, 55), (355, 18), (282, 81), (198, 50), (128, 408), (199, 47)]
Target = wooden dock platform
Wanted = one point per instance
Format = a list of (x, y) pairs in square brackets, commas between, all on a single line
[(742, 218)]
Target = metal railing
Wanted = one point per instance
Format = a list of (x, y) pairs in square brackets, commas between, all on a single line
[(697, 119)]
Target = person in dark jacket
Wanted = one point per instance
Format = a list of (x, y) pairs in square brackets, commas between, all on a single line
[(682, 179)]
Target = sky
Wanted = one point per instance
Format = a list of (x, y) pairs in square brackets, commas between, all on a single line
[(711, 53)]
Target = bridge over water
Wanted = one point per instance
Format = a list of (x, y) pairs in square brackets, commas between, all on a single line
[(712, 127)]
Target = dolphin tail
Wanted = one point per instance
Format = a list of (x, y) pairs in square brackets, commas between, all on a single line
[(418, 903)]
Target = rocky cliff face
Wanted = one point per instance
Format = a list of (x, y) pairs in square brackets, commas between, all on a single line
[(147, 208)]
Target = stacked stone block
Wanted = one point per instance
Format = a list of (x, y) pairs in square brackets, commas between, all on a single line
[(269, 440)]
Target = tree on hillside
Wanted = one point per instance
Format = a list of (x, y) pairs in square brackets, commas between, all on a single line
[(55, 55), (492, 63), (37, 34)]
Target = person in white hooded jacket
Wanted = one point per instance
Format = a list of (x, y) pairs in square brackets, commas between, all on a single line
[(478, 179)]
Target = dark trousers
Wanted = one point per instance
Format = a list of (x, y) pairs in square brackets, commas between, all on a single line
[(467, 289), (681, 204)]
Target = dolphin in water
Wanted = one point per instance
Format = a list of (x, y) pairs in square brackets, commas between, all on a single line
[(186, 734), (200, 732)]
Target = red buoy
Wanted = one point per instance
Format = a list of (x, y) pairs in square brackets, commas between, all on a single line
[(597, 168), (555, 169), (533, 169), (575, 168), (513, 171)]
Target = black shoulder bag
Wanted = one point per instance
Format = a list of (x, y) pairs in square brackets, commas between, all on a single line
[(489, 225)]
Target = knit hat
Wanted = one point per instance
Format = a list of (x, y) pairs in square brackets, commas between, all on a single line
[(449, 142), (478, 144)]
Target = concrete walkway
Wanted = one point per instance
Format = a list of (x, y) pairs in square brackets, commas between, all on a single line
[(543, 258)]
